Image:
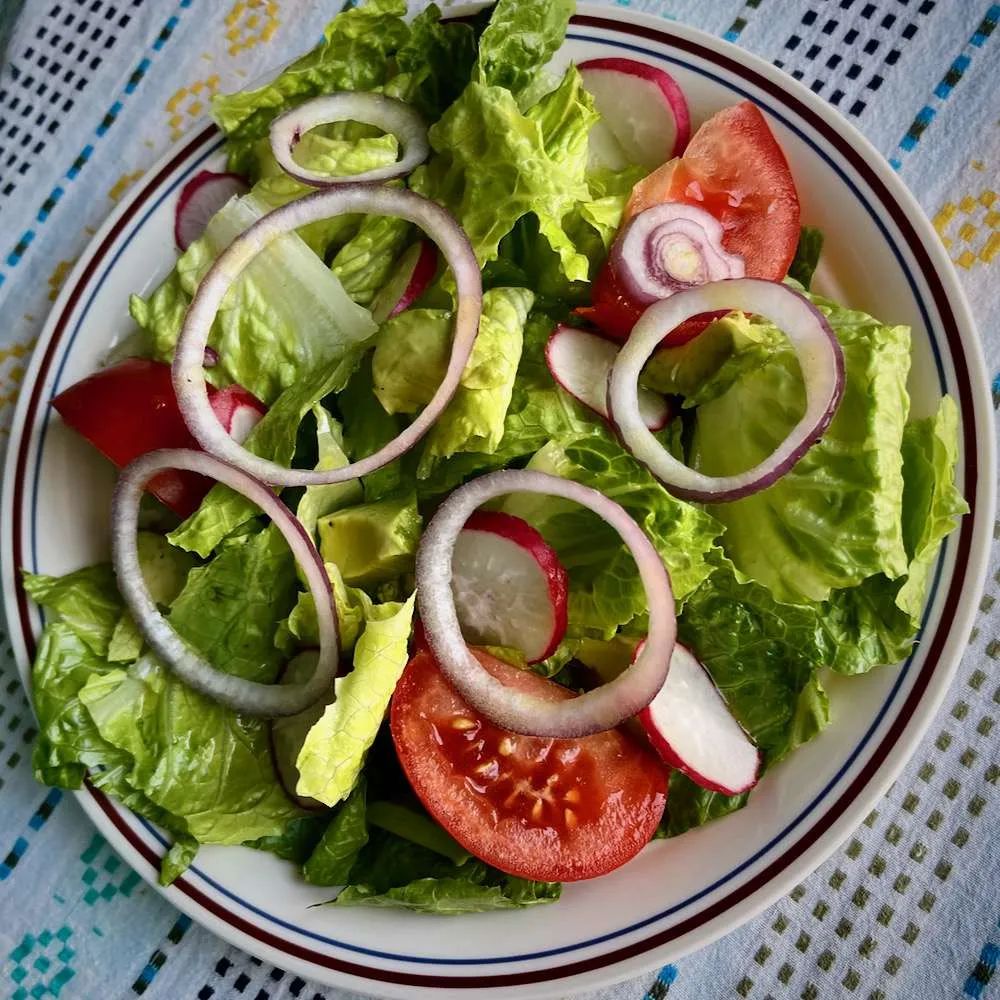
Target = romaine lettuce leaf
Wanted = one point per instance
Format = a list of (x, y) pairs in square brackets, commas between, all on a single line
[(605, 590), (474, 420), (334, 750), (356, 54), (366, 262), (520, 39), (394, 872), (833, 520), (492, 166), (274, 438), (285, 316), (334, 856), (877, 622), (86, 600)]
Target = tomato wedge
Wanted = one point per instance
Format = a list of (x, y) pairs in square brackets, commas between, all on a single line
[(130, 408), (735, 170), (551, 810)]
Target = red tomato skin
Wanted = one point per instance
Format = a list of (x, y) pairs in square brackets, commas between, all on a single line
[(128, 410), (620, 785), (733, 168)]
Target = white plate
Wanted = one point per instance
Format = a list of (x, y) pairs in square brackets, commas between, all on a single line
[(677, 895)]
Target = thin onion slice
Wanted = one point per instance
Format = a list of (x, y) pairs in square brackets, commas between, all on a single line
[(188, 373), (248, 697), (668, 248), (820, 357), (593, 712), (385, 113)]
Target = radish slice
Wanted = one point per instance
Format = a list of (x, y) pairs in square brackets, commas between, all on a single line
[(188, 373), (581, 361), (508, 585), (692, 729), (289, 733), (200, 199), (416, 271), (385, 113), (641, 106), (593, 712), (670, 247), (238, 410), (820, 358), (248, 697)]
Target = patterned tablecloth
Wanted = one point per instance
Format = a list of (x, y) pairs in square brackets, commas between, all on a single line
[(93, 91)]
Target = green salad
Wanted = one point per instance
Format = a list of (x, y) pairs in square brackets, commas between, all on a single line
[(394, 786)]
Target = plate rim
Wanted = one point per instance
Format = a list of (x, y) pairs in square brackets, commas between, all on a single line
[(648, 952)]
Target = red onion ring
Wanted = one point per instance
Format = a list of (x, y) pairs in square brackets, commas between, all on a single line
[(818, 351), (385, 113), (593, 712), (248, 697), (640, 255), (188, 373)]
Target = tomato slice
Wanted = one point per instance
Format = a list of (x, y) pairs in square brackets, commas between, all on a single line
[(735, 170), (130, 409), (551, 810)]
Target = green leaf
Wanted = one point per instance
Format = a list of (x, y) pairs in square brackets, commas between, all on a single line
[(367, 261), (451, 896), (474, 420), (297, 841), (417, 827), (520, 39), (334, 751), (605, 589), (834, 519), (285, 316), (368, 427), (492, 166), (806, 258), (274, 438), (877, 622), (87, 601), (356, 54), (410, 358), (334, 856)]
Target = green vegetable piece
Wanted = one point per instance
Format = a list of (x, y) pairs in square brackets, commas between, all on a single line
[(367, 261), (417, 827), (799, 540), (338, 849), (372, 542), (452, 896), (807, 253), (335, 748)]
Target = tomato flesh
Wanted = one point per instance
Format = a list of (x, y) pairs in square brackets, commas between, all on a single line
[(545, 809), (735, 170), (128, 410)]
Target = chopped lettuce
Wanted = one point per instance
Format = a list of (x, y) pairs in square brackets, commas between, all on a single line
[(366, 262), (492, 166), (605, 590), (334, 750), (877, 622), (393, 872), (834, 519), (356, 54), (332, 859), (274, 437), (474, 419), (416, 827), (285, 316), (410, 358), (372, 542), (520, 39), (87, 601)]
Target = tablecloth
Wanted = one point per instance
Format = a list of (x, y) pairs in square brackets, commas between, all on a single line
[(93, 91)]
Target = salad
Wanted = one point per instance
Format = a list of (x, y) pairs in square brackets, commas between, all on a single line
[(495, 494)]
